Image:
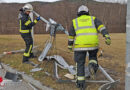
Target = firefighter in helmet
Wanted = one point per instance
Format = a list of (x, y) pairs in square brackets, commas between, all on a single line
[(83, 36), (26, 25)]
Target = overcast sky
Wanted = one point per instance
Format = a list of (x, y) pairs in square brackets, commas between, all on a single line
[(25, 1), (114, 1)]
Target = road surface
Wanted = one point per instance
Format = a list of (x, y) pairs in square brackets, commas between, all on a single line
[(10, 85)]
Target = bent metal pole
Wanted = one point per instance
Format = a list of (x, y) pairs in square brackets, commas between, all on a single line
[(32, 33), (106, 74), (43, 19)]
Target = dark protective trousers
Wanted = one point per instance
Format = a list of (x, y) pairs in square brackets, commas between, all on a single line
[(29, 43), (80, 57)]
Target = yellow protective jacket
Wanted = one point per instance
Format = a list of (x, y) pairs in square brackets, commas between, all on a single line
[(84, 33)]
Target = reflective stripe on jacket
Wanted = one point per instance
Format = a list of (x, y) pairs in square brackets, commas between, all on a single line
[(25, 23)]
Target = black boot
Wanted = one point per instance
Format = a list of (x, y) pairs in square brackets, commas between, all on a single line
[(93, 69), (80, 84), (32, 55), (25, 59)]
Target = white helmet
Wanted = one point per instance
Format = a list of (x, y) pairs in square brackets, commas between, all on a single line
[(83, 8), (28, 7)]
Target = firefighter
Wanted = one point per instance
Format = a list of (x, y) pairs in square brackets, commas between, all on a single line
[(25, 30), (83, 37)]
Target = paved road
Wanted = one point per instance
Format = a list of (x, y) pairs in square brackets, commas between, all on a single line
[(14, 85)]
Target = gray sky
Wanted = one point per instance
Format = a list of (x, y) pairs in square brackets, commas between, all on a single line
[(114, 1), (25, 1)]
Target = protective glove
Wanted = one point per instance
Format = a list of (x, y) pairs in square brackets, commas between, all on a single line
[(38, 18), (70, 48), (108, 40)]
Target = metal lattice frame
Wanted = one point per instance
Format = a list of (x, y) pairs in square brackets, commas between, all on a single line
[(107, 84), (60, 62)]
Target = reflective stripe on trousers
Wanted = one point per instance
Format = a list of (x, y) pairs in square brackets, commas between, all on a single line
[(29, 51), (29, 43), (80, 78)]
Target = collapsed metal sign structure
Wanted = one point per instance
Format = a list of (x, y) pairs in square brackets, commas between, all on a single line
[(61, 62)]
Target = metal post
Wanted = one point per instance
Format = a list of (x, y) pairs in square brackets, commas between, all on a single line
[(31, 16), (56, 70), (127, 81), (43, 19), (105, 73)]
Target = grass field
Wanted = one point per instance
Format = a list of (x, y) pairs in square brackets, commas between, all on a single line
[(113, 59)]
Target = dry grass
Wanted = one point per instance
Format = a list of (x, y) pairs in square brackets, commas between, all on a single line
[(113, 59)]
